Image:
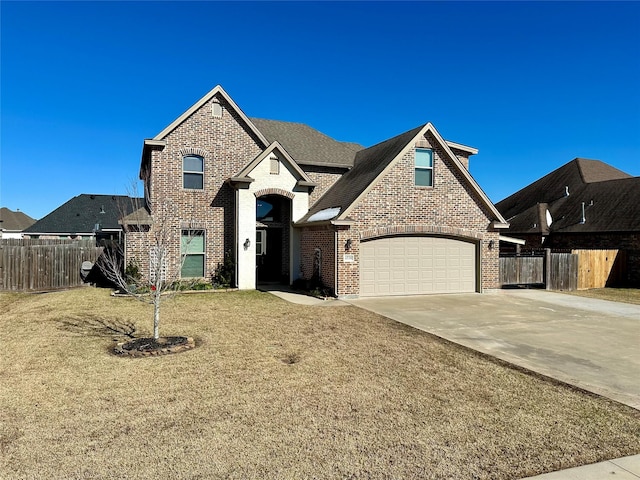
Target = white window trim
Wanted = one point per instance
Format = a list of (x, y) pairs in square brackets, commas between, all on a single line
[(193, 172), (184, 255), (416, 167), (261, 245)]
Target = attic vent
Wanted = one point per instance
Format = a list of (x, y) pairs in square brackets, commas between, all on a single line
[(422, 144), (216, 110), (274, 165)]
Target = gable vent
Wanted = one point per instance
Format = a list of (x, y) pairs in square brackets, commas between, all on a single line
[(216, 110)]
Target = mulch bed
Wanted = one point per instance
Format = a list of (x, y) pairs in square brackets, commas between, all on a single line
[(146, 347)]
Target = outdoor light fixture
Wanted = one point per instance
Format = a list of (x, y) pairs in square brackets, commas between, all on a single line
[(347, 245), (247, 244), (491, 244)]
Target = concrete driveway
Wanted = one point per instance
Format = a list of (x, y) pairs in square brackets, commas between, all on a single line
[(593, 344)]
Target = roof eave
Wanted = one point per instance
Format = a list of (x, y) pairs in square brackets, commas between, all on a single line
[(499, 225), (464, 148), (240, 182), (148, 145), (517, 241)]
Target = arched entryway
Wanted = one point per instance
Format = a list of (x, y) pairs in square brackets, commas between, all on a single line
[(273, 238)]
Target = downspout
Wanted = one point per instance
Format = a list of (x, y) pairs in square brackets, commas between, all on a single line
[(335, 257)]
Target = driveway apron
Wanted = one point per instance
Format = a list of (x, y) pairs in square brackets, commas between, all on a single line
[(592, 344)]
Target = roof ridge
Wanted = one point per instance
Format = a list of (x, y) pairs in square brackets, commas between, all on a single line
[(593, 170)]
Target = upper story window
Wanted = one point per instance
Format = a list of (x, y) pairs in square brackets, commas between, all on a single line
[(193, 172), (424, 167)]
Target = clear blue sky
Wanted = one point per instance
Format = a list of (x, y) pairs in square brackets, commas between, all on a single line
[(531, 85)]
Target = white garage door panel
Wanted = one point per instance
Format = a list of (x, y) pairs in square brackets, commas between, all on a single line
[(417, 265)]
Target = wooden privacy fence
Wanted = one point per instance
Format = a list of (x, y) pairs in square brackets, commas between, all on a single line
[(522, 270), (601, 268), (555, 271), (563, 271), (43, 265)]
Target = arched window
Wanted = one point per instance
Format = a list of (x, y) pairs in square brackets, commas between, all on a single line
[(193, 172)]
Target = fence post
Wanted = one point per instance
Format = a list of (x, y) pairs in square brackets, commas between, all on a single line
[(547, 268)]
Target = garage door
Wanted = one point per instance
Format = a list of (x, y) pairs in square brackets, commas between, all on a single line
[(416, 266)]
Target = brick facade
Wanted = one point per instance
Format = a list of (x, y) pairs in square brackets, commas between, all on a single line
[(226, 146), (393, 205), (324, 177)]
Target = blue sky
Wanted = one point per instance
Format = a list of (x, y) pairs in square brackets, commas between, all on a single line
[(531, 85)]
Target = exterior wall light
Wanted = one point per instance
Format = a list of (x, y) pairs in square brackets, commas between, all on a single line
[(247, 244), (347, 245)]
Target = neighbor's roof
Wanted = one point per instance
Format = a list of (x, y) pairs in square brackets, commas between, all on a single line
[(371, 163), (83, 212), (611, 198), (14, 221)]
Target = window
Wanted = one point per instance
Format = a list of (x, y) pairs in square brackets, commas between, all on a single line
[(261, 242), (424, 167), (193, 172), (192, 250)]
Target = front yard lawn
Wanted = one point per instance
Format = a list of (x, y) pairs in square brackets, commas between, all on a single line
[(625, 295), (275, 391)]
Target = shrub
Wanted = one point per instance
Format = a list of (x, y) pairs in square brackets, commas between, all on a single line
[(223, 277)]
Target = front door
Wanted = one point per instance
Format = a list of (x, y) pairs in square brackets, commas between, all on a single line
[(269, 255)]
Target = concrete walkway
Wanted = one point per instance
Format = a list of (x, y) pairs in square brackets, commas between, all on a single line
[(626, 468)]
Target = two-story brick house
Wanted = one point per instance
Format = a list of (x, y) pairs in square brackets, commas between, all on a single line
[(287, 202)]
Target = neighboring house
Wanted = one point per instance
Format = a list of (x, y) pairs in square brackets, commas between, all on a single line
[(585, 204), (13, 223), (286, 202), (85, 216)]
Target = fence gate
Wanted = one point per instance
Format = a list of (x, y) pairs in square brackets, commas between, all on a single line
[(555, 271), (522, 270), (563, 274)]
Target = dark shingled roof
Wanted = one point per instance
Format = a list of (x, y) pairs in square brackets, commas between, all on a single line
[(81, 213), (612, 201), (306, 145), (369, 163), (14, 221)]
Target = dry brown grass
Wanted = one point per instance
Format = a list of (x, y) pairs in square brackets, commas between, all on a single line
[(275, 390), (625, 295)]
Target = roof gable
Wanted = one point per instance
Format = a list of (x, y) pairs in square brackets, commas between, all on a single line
[(217, 90), (274, 148), (372, 163)]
